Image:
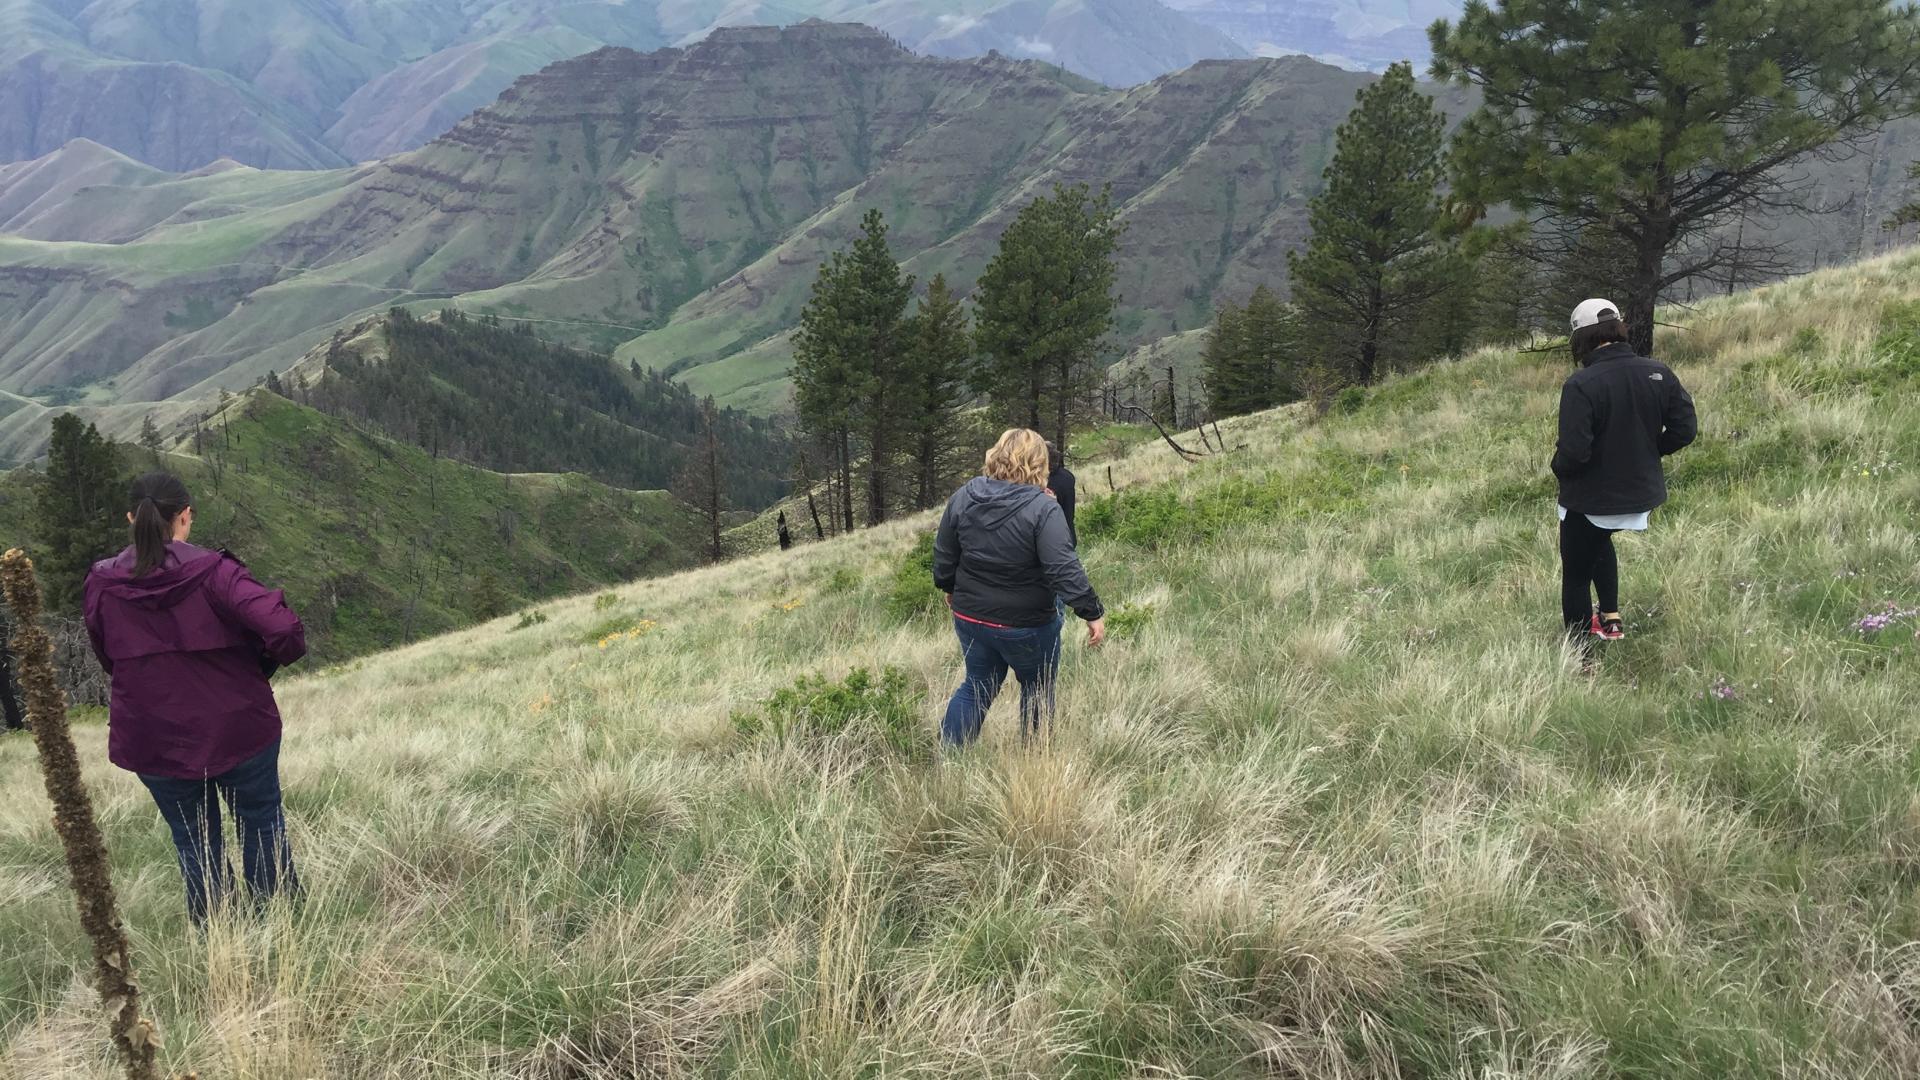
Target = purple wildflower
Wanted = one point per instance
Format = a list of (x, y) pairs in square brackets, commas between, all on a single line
[(1723, 690), (1885, 617)]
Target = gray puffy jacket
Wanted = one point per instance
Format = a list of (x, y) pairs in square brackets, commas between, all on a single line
[(1003, 552)]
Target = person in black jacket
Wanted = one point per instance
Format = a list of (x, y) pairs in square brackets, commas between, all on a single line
[(1002, 554), (1060, 482), (1620, 414)]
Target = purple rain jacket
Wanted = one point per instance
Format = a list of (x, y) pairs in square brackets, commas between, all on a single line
[(189, 646)]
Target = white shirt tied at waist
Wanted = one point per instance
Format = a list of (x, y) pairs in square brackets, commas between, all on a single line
[(1614, 522)]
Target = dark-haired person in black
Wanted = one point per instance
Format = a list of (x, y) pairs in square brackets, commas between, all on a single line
[(1060, 485), (1620, 414)]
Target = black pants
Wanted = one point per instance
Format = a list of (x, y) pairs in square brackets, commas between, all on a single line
[(192, 811), (1587, 566)]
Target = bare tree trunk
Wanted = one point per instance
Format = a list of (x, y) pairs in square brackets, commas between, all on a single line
[(714, 481), (806, 482), (846, 480), (1643, 295)]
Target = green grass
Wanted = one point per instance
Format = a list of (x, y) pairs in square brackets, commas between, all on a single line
[(1332, 803)]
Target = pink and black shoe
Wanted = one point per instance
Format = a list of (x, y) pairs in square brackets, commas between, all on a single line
[(1611, 628)]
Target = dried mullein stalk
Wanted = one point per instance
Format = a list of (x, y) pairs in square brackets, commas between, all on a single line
[(135, 1037)]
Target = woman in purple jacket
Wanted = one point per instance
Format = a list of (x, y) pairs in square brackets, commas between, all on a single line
[(189, 639)]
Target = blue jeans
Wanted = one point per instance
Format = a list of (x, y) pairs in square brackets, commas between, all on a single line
[(192, 811), (1031, 653)]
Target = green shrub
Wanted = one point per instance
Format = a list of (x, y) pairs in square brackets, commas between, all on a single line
[(529, 618), (1348, 401), (605, 601), (1129, 620), (619, 626), (815, 707), (1160, 517), (913, 595), (843, 579)]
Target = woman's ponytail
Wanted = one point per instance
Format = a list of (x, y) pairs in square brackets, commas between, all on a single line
[(157, 499)]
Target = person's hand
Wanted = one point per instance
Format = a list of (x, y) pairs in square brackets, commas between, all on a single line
[(1096, 633), (949, 597)]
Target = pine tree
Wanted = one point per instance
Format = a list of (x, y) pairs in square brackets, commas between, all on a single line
[(1660, 121), (1253, 355), (1374, 260), (1272, 343), (489, 599), (151, 439), (1045, 303), (935, 386), (847, 360), (1224, 361), (80, 511)]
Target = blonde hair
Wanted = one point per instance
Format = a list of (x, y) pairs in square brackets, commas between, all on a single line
[(1020, 457)]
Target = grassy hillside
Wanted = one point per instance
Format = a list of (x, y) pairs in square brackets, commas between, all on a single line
[(1333, 803), (378, 543)]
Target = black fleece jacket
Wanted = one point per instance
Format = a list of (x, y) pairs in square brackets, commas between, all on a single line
[(1619, 415), (1003, 553), (1060, 481)]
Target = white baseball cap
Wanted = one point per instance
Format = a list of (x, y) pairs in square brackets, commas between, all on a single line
[(1594, 312)]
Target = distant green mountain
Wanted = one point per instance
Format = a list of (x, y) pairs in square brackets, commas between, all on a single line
[(317, 83), (672, 206), (379, 543)]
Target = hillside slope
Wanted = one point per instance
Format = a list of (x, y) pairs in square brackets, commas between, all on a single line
[(1333, 803), (379, 543)]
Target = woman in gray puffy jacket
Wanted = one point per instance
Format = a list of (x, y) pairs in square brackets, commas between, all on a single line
[(1002, 554)]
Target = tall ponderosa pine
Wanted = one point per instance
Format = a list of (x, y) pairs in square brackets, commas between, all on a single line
[(1375, 260), (847, 362), (1661, 120), (80, 509), (934, 387), (1045, 303)]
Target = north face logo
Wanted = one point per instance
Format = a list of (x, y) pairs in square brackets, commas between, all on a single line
[(1657, 377)]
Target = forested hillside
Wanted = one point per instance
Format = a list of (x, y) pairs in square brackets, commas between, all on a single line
[(379, 543), (505, 400)]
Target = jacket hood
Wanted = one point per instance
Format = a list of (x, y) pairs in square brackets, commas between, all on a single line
[(187, 566), (996, 501)]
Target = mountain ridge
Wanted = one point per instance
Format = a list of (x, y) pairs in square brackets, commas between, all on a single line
[(323, 83), (629, 189)]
